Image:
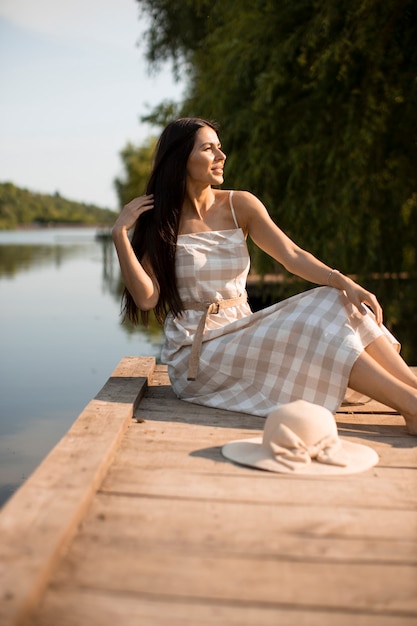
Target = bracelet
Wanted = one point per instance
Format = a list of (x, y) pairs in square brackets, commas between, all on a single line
[(330, 276)]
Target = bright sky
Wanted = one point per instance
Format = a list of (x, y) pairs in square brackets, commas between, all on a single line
[(74, 84)]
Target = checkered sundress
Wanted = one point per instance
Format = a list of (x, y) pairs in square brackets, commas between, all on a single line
[(301, 348)]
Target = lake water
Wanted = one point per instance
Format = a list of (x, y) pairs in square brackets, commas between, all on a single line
[(61, 338)]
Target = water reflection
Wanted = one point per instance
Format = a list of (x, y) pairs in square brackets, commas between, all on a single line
[(61, 338), (18, 258), (111, 277)]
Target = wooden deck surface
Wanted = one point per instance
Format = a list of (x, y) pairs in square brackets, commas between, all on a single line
[(142, 522)]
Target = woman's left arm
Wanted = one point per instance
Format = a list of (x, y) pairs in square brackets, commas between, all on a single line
[(257, 223)]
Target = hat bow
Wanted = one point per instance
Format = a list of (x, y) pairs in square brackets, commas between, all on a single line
[(289, 449)]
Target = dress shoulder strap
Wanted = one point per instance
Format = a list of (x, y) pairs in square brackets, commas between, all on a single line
[(233, 209)]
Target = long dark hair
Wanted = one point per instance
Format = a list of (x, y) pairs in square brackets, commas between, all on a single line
[(156, 231)]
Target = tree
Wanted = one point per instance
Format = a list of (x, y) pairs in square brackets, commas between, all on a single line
[(137, 162), (20, 206), (317, 103)]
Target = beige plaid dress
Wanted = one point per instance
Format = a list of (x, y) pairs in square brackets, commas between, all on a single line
[(301, 348)]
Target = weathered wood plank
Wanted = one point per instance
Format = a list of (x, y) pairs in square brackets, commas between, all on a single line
[(86, 607), (179, 438), (382, 489), (393, 451), (185, 459), (148, 569), (325, 533), (161, 400), (41, 518)]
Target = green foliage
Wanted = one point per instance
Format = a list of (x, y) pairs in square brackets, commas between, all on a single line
[(177, 27), (316, 101), (20, 206), (137, 162), (163, 113)]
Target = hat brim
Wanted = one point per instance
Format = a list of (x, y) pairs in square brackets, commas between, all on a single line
[(250, 452)]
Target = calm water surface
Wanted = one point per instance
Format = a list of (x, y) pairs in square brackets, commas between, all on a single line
[(61, 338)]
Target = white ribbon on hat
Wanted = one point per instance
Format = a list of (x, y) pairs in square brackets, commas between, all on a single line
[(290, 449)]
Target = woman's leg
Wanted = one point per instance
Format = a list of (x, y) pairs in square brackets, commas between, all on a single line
[(370, 378), (382, 350)]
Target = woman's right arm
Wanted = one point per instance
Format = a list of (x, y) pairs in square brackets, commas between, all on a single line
[(138, 277)]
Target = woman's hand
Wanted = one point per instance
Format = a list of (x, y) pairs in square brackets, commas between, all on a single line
[(139, 280), (359, 296), (131, 212)]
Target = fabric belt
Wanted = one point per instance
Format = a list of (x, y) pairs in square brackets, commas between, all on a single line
[(206, 308)]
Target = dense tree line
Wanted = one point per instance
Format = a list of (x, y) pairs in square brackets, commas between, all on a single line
[(316, 100), (20, 207)]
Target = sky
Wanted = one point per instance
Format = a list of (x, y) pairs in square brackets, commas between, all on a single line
[(74, 83)]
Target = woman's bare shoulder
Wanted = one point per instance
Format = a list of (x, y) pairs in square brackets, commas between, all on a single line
[(245, 198), (246, 203), (247, 206), (238, 194)]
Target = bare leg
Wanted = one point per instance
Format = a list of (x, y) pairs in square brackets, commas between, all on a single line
[(370, 378), (385, 354)]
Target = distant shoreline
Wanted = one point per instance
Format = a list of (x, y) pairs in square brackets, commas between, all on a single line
[(55, 226)]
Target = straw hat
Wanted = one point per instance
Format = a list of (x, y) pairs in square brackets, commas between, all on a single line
[(301, 438)]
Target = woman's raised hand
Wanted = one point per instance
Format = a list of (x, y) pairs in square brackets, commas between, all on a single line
[(132, 211), (360, 296)]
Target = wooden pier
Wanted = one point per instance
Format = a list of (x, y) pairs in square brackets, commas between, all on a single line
[(136, 519)]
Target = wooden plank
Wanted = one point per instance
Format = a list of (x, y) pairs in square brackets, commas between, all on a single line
[(186, 439), (89, 607), (164, 458), (393, 451), (323, 533), (379, 427), (40, 519), (384, 488), (160, 402), (120, 567)]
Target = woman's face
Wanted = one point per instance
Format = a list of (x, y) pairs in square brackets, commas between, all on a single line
[(206, 161)]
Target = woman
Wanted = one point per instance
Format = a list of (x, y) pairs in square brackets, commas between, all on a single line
[(188, 261)]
